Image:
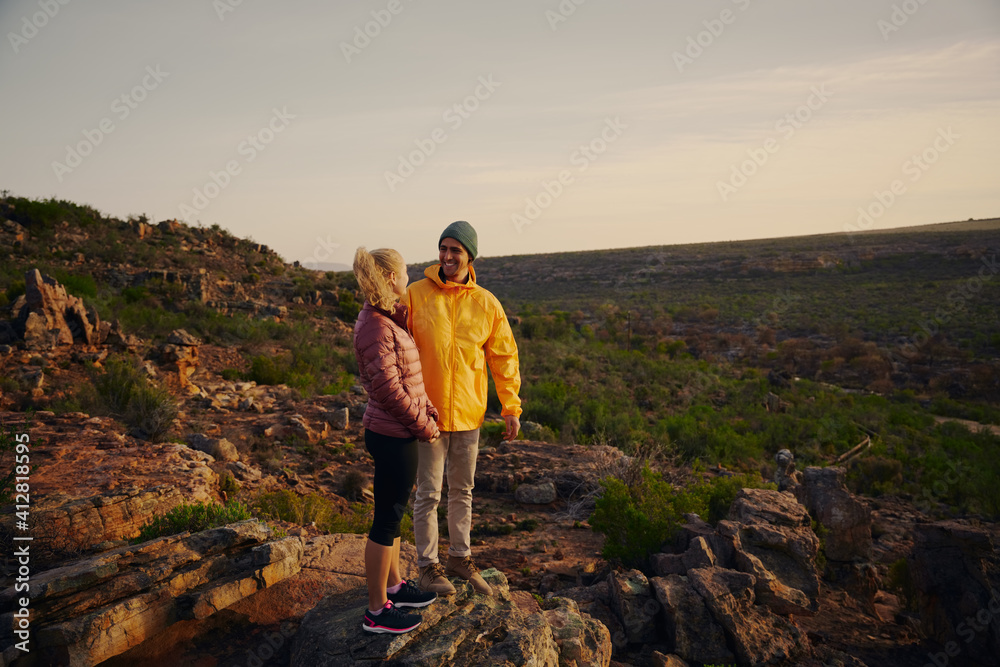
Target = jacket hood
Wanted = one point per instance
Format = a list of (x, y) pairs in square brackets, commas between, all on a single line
[(432, 273)]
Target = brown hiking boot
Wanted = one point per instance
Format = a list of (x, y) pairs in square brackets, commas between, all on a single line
[(432, 579), (466, 569)]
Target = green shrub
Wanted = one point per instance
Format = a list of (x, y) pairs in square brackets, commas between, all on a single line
[(637, 520), (314, 508), (231, 374), (194, 518), (125, 392), (228, 484)]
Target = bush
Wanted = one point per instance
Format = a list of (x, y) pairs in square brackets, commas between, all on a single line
[(314, 508), (636, 520), (193, 518), (125, 392)]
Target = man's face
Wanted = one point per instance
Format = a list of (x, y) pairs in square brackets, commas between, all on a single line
[(454, 259)]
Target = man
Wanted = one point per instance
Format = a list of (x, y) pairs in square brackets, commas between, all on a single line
[(460, 329)]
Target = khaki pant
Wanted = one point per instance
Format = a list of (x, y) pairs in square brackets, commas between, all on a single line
[(458, 449)]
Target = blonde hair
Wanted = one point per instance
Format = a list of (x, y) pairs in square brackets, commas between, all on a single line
[(372, 271)]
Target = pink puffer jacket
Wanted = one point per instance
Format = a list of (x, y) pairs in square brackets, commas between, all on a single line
[(389, 365)]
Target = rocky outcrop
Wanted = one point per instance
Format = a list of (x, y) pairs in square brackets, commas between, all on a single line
[(633, 603), (86, 612), (180, 355), (759, 637), (67, 524), (847, 519), (688, 623), (463, 629), (48, 316), (772, 540), (541, 493), (956, 579), (218, 448)]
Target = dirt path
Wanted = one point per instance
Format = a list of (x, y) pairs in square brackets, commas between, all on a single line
[(972, 426)]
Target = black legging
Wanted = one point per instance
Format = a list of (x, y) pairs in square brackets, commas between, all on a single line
[(395, 472)]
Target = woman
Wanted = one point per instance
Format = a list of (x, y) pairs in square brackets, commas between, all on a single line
[(398, 414)]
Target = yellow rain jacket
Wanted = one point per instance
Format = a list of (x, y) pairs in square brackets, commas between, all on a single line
[(459, 330)]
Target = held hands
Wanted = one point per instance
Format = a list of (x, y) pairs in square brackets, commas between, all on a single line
[(513, 427)]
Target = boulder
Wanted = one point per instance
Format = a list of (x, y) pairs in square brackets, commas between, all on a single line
[(180, 354), (339, 418), (688, 625), (758, 636), (581, 639), (633, 603), (772, 539), (541, 493), (218, 448), (462, 629), (49, 316), (72, 524), (89, 611), (956, 579), (847, 519)]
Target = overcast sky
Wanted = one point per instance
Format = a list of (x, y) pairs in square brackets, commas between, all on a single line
[(315, 127)]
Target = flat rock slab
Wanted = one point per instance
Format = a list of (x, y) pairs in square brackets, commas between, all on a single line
[(465, 628)]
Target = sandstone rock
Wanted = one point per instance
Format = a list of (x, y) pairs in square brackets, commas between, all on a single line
[(63, 523), (954, 571), (581, 639), (218, 448), (767, 506), (688, 625), (661, 660), (465, 628), (759, 637), (699, 554), (180, 354), (666, 564), (92, 610), (847, 519), (339, 418), (118, 338), (49, 316), (633, 603), (541, 493), (775, 544)]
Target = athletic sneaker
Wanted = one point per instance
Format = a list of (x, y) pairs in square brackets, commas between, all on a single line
[(409, 595), (391, 620)]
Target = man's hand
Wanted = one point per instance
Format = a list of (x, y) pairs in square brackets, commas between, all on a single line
[(513, 427)]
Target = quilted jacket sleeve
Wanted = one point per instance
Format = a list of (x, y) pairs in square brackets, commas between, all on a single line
[(381, 364)]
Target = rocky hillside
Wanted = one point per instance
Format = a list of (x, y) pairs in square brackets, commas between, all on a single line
[(237, 367)]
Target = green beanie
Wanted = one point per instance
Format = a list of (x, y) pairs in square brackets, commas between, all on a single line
[(464, 233)]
